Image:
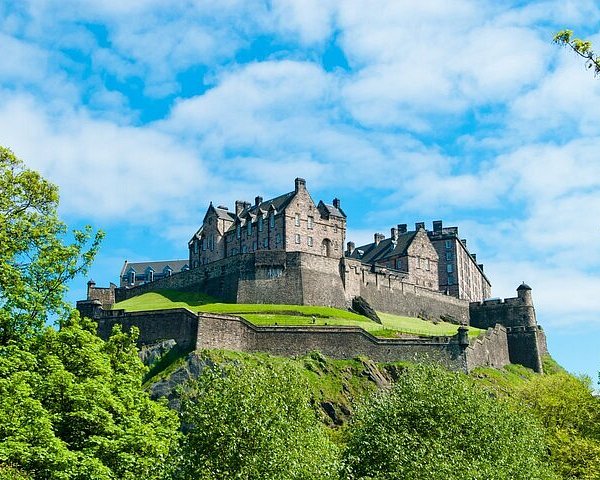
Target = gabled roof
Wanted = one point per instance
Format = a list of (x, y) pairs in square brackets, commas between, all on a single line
[(220, 212), (141, 267), (278, 203), (332, 210), (372, 252)]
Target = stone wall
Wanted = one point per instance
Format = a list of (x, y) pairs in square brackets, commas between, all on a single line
[(220, 331), (106, 296), (524, 346), (178, 324), (489, 349), (388, 292), (509, 312)]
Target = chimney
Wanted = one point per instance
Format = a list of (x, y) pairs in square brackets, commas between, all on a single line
[(402, 228), (300, 184), (336, 203), (351, 247), (246, 204), (239, 207), (419, 225), (378, 237), (258, 201), (437, 226), (394, 234)]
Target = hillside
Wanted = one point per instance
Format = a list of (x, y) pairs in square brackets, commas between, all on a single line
[(270, 314)]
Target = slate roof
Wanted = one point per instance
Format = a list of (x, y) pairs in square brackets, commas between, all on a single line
[(334, 211), (372, 253), (140, 267), (279, 203), (224, 213)]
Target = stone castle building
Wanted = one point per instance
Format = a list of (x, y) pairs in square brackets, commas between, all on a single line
[(289, 250), (291, 222)]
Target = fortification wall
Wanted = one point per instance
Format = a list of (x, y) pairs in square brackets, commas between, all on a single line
[(219, 331), (510, 312), (105, 295), (388, 292), (524, 346), (489, 349), (179, 324)]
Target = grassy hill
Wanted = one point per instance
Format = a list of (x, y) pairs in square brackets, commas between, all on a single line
[(271, 314)]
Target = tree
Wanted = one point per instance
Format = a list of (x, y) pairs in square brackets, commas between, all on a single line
[(72, 407), (253, 421), (570, 413), (36, 262), (434, 424), (583, 48)]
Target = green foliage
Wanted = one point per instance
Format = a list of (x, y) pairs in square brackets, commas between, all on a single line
[(433, 424), (583, 48), (253, 422), (72, 407), (571, 415), (35, 262)]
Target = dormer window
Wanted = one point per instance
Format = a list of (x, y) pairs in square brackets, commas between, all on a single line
[(272, 221), (131, 277), (249, 227), (260, 224), (238, 230), (203, 242)]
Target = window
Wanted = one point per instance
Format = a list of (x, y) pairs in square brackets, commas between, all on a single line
[(238, 231), (244, 249), (131, 277), (448, 244), (272, 221), (309, 240), (428, 266), (254, 245), (450, 280), (195, 246), (277, 239), (398, 263), (195, 265), (449, 268), (265, 242), (297, 238), (274, 272), (297, 221), (203, 242), (448, 255), (335, 229), (212, 243), (260, 224), (418, 262), (249, 227), (311, 222), (150, 275), (234, 251)]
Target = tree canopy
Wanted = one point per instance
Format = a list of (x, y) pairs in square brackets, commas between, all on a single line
[(255, 421), (435, 424), (36, 260)]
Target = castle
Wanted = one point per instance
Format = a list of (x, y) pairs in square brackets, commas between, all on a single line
[(290, 250)]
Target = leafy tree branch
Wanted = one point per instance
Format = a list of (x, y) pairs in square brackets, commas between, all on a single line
[(583, 48)]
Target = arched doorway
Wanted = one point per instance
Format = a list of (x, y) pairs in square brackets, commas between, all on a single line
[(326, 248)]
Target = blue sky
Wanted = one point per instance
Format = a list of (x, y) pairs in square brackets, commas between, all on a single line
[(143, 112)]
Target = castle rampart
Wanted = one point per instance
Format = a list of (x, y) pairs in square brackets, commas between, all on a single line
[(198, 331)]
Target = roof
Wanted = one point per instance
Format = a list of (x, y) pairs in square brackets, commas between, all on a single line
[(523, 286), (373, 252), (332, 210), (279, 203), (139, 267), (224, 213)]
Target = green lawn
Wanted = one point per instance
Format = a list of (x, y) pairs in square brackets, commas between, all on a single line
[(271, 314)]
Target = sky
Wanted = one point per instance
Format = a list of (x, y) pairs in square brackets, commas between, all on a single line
[(463, 111)]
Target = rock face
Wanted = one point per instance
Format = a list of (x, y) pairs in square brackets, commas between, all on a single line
[(361, 306), (150, 354), (192, 368)]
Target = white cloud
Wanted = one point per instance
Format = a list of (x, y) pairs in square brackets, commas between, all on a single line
[(105, 171)]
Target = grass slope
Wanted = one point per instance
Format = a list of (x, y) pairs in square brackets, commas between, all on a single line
[(272, 314)]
